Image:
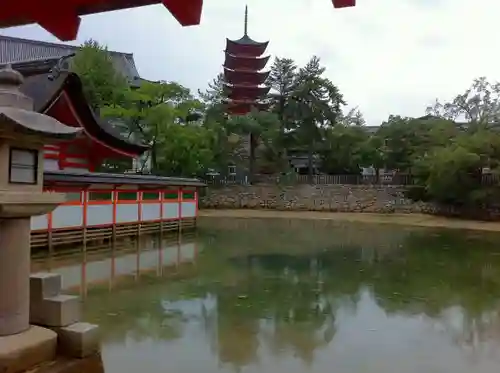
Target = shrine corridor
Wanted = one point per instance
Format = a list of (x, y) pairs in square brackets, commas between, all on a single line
[(292, 296)]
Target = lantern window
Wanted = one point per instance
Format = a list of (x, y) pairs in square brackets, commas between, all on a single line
[(23, 166)]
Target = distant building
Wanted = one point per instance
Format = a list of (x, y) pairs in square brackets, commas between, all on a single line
[(28, 53)]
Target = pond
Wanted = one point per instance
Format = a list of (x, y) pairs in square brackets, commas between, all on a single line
[(294, 296)]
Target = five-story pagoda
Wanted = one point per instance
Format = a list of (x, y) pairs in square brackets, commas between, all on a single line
[(243, 75)]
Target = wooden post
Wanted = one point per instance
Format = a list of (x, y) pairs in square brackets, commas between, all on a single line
[(162, 201), (139, 213), (49, 241), (114, 196), (179, 226), (85, 208)]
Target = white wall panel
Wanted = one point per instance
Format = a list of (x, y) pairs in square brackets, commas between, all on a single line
[(150, 211), (67, 216), (170, 210), (99, 214), (39, 222), (188, 209), (127, 213)]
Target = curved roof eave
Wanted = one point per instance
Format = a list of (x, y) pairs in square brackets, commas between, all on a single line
[(246, 40), (44, 93)]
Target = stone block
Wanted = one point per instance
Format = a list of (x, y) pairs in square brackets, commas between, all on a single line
[(25, 350), (44, 285), (61, 310), (78, 340)]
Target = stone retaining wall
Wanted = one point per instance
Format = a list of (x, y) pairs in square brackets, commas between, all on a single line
[(336, 198)]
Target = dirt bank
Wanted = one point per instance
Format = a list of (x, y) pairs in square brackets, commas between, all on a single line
[(402, 219)]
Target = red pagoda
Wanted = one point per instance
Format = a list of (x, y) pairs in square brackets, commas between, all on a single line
[(243, 75)]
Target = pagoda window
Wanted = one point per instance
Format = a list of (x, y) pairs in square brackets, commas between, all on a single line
[(23, 166)]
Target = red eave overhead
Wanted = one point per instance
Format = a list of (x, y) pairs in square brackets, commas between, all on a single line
[(343, 3), (62, 17)]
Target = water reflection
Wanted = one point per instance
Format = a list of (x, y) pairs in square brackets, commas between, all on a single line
[(302, 296), (113, 262)]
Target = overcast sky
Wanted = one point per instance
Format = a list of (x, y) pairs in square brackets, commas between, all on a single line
[(386, 56)]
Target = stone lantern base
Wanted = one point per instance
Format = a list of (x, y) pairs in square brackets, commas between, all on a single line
[(55, 330), (27, 349)]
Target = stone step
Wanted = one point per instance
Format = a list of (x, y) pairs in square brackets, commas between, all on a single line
[(58, 311), (78, 340), (44, 285)]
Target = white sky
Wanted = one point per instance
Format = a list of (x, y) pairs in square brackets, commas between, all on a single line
[(386, 56)]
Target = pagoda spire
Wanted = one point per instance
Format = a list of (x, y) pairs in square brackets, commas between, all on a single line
[(245, 29)]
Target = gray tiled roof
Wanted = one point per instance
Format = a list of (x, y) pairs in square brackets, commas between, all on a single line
[(14, 50)]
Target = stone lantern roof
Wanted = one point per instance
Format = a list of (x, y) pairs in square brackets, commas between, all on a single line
[(17, 115)]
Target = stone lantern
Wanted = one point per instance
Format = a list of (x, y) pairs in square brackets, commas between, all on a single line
[(23, 133)]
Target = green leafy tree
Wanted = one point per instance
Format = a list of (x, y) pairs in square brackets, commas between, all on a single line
[(146, 111), (102, 83), (478, 106), (316, 105), (342, 149)]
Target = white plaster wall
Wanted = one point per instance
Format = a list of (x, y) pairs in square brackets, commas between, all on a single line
[(188, 209), (127, 213), (170, 210), (39, 222), (99, 214), (150, 211), (67, 216)]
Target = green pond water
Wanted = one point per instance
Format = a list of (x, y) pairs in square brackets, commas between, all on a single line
[(293, 296)]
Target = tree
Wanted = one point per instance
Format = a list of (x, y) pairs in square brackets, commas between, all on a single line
[(215, 93), (282, 80), (354, 117), (147, 110), (479, 105), (316, 104), (342, 150), (262, 127), (102, 84)]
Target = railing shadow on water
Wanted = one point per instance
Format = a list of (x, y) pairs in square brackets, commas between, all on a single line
[(111, 264)]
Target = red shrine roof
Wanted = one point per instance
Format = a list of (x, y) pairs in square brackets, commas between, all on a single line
[(245, 63), (246, 47), (62, 98), (245, 77), (62, 18), (245, 92), (239, 107)]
